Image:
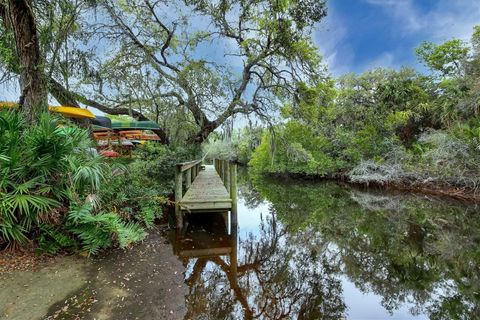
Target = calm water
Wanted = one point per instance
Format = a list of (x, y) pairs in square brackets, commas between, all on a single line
[(323, 251)]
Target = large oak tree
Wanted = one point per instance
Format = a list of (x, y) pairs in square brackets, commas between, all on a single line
[(213, 59), (190, 65)]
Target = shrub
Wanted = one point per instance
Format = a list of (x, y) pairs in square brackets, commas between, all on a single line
[(140, 190), (100, 230), (45, 173), (369, 171)]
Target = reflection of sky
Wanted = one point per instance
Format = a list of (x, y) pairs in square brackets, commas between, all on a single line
[(360, 306), (249, 219)]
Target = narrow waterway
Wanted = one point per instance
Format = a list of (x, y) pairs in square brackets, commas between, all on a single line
[(298, 250), (304, 250)]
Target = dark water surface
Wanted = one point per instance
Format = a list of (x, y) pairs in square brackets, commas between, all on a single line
[(307, 250)]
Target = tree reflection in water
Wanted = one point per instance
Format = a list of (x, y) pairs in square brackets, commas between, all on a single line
[(411, 251), (408, 250), (276, 275)]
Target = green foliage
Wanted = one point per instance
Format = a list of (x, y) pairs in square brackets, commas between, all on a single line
[(35, 174), (44, 171), (246, 141), (52, 239), (384, 125), (445, 58), (100, 230), (140, 189), (8, 55), (238, 146)]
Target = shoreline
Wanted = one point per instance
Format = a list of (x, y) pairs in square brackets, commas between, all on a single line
[(462, 194)]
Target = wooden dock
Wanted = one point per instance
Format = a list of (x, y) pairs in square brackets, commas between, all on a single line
[(207, 192), (208, 188)]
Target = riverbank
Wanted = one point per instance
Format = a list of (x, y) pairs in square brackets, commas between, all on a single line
[(458, 193), (417, 186), (143, 282)]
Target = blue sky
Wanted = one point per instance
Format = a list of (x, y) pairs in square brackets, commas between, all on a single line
[(358, 35)]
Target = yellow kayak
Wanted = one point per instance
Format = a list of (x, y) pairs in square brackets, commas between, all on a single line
[(73, 112), (69, 112)]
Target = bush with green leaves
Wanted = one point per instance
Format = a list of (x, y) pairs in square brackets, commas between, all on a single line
[(46, 172), (139, 191), (101, 230)]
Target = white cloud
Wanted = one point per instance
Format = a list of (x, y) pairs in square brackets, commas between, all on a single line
[(453, 19), (403, 11), (384, 60), (329, 37), (445, 20)]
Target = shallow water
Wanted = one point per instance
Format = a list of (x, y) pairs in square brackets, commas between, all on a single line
[(305, 250)]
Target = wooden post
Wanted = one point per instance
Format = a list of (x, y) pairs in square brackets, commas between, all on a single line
[(233, 255), (188, 178), (227, 176), (222, 168), (233, 191), (224, 171), (178, 196), (220, 172)]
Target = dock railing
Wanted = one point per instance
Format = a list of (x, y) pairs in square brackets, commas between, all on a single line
[(227, 170), (185, 171)]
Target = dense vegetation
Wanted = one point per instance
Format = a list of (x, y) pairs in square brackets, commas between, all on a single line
[(55, 190), (386, 126)]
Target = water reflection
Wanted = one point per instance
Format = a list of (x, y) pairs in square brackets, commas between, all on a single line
[(271, 279), (323, 251)]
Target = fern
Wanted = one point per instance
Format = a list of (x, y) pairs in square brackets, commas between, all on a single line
[(101, 230), (148, 216), (129, 233), (52, 240)]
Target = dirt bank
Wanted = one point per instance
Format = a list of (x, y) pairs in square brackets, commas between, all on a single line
[(144, 282), (421, 187), (458, 193)]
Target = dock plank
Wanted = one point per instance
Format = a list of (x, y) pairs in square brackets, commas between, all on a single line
[(207, 191)]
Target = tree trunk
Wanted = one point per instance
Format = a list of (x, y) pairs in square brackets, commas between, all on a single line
[(33, 98), (202, 135)]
